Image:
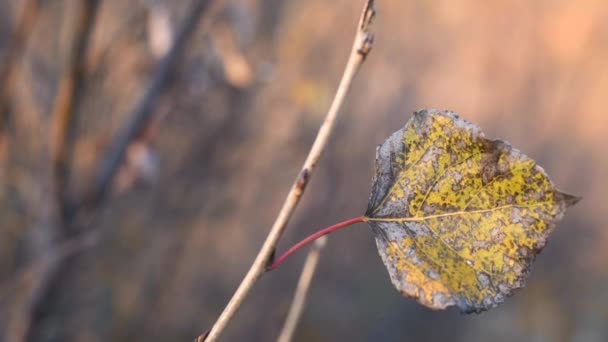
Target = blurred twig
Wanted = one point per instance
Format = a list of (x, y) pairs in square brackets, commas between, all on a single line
[(361, 48), (144, 109), (51, 231), (37, 280), (51, 263), (15, 48), (76, 238), (299, 298), (66, 102)]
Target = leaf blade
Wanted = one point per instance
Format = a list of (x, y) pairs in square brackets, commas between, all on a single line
[(461, 216)]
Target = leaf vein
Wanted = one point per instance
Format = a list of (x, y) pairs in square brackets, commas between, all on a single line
[(455, 213)]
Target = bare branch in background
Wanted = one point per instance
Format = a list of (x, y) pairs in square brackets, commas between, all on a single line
[(52, 225), (361, 48), (299, 297), (49, 268), (144, 109), (37, 279), (15, 48), (66, 102)]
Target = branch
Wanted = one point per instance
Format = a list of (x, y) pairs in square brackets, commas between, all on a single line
[(69, 91), (50, 265), (14, 51), (361, 48), (53, 218), (299, 298), (144, 109), (37, 279), (85, 234)]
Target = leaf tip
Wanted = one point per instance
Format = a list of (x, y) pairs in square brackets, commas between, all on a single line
[(568, 199)]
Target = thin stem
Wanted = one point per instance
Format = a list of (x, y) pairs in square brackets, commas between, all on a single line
[(308, 272), (361, 47), (299, 298), (278, 261)]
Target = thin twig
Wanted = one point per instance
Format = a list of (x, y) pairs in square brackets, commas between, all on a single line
[(53, 222), (63, 250), (63, 118), (299, 298), (144, 109), (308, 271), (15, 49), (361, 48), (37, 279)]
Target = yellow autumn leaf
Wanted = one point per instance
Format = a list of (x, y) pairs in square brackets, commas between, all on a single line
[(459, 218)]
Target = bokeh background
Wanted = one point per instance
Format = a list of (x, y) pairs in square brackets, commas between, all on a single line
[(206, 174)]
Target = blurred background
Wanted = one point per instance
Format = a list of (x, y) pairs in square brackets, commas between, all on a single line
[(146, 147)]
